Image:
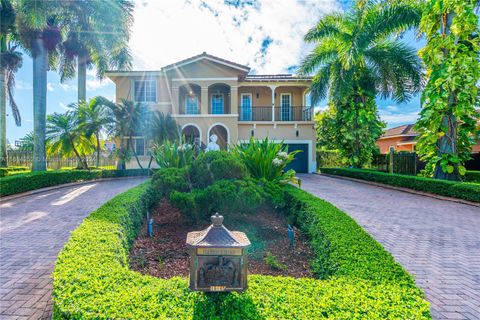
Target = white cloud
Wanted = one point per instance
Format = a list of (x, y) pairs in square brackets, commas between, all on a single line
[(67, 87), (63, 106), (168, 31), (22, 85), (397, 118), (94, 84), (50, 86)]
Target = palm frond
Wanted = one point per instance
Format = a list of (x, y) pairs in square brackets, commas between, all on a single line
[(329, 26)]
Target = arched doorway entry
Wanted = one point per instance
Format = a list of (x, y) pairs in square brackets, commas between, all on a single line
[(191, 133), (222, 134)]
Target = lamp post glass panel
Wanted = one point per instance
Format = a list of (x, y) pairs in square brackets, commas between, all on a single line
[(218, 260)]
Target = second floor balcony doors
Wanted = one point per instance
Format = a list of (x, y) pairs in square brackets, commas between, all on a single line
[(246, 107), (217, 104), (285, 107), (191, 104)]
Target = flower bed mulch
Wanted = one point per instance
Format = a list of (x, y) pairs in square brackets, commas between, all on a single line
[(165, 254)]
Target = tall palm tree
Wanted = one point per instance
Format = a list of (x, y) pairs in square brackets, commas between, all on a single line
[(94, 117), (39, 31), (98, 34), (64, 137), (10, 62), (358, 56)]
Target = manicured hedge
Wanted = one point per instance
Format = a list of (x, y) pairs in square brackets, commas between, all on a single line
[(461, 190), (92, 279), (472, 176), (12, 169), (35, 180)]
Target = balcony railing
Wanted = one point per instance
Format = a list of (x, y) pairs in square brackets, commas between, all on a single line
[(255, 113)]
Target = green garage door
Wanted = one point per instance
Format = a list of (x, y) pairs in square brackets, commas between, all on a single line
[(300, 164)]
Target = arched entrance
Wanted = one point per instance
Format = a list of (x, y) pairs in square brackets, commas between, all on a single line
[(191, 133), (222, 134)]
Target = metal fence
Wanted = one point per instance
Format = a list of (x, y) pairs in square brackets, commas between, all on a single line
[(401, 163), (25, 158)]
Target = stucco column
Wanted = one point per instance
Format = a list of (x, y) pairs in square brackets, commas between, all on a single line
[(234, 100), (273, 102), (175, 106), (204, 100)]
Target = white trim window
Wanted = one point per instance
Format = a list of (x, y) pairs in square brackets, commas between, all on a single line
[(246, 107), (286, 107), (145, 91), (191, 104), (217, 103)]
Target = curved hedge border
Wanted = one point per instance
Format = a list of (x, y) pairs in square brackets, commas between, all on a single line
[(461, 190), (92, 279), (12, 169), (19, 183)]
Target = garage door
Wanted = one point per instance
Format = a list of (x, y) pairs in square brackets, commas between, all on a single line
[(300, 163)]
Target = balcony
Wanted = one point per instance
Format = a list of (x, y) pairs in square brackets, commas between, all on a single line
[(264, 113)]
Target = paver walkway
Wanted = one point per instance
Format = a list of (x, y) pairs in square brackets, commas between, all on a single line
[(437, 241), (33, 229)]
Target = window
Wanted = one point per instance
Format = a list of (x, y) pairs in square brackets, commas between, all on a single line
[(217, 103), (145, 90), (139, 146), (246, 107), (191, 104), (286, 107)]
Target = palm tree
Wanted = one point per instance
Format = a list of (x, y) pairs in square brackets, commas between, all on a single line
[(161, 128), (10, 62), (98, 34), (129, 121), (94, 117), (27, 142), (357, 57), (39, 31), (64, 137)]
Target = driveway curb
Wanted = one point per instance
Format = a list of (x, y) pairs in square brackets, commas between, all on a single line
[(60, 186), (386, 186)]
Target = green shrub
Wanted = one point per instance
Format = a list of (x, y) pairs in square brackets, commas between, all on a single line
[(215, 165), (472, 176), (224, 196), (92, 279), (35, 180), (173, 154), (460, 190), (12, 169), (273, 262), (167, 180), (266, 159)]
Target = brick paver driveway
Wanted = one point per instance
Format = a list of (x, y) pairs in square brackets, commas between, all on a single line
[(435, 240), (33, 230)]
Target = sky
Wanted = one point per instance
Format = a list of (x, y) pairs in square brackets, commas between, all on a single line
[(266, 35)]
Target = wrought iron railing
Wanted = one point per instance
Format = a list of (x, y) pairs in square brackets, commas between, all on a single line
[(262, 113)]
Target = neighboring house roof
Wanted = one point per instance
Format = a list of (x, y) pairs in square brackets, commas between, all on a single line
[(275, 77), (401, 131), (206, 56)]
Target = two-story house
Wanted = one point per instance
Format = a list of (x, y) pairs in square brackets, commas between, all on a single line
[(208, 95)]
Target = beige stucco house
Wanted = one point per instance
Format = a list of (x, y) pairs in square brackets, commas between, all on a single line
[(208, 95)]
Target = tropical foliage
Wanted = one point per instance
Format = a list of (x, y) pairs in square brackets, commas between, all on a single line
[(97, 34), (448, 118), (266, 159), (357, 58), (64, 137), (173, 154), (161, 128)]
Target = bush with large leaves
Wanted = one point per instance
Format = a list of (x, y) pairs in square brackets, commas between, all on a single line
[(266, 159)]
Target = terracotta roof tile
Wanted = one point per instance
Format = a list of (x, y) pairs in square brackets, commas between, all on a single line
[(204, 54), (405, 130)]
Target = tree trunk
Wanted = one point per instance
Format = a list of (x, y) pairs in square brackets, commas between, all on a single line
[(40, 65), (3, 119), (136, 157), (97, 136), (80, 160), (447, 145), (121, 159), (82, 78)]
